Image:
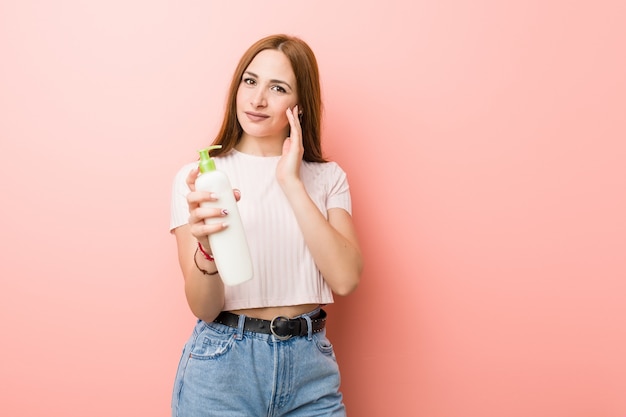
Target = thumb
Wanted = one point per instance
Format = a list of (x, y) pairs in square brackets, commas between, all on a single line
[(286, 145), (191, 179)]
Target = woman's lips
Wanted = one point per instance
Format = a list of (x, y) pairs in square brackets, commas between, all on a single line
[(256, 117)]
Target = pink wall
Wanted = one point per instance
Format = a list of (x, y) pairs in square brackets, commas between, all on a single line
[(485, 144)]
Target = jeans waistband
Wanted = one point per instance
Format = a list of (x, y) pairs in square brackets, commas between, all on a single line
[(281, 327)]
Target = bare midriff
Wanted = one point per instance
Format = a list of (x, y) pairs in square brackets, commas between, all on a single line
[(268, 313)]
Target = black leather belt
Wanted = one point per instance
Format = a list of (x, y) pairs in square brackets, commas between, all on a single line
[(282, 327)]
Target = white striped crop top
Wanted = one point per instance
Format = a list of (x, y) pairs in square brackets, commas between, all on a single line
[(284, 271)]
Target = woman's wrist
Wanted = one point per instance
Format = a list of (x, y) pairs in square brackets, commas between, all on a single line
[(291, 187), (195, 261), (206, 254)]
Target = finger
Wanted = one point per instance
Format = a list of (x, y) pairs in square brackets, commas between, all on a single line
[(290, 117), (205, 221), (286, 146), (194, 198), (191, 178), (237, 194), (201, 231), (294, 123), (206, 213)]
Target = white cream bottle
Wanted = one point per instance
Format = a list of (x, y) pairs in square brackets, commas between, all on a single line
[(229, 246)]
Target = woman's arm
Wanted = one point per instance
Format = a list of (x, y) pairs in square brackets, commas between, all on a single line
[(205, 293), (333, 242)]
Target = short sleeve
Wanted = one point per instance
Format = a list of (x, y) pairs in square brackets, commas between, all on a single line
[(339, 192), (179, 214)]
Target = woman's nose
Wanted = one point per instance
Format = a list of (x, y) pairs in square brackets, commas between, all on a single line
[(258, 98)]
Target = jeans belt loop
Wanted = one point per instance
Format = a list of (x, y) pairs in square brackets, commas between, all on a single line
[(241, 326), (309, 326)]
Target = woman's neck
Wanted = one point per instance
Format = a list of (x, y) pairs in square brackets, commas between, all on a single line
[(260, 146)]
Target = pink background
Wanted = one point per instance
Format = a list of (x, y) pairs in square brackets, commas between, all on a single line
[(485, 145)]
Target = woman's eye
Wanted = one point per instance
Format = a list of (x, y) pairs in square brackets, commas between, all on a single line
[(249, 81), (279, 89)]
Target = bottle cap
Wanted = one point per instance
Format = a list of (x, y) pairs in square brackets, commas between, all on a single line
[(206, 162)]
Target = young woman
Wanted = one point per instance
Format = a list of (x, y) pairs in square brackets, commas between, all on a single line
[(259, 348)]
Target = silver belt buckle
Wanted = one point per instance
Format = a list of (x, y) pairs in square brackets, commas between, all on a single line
[(272, 325)]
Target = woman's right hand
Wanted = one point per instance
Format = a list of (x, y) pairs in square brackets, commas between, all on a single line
[(198, 214)]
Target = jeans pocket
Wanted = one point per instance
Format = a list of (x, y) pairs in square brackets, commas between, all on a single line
[(323, 344), (212, 343)]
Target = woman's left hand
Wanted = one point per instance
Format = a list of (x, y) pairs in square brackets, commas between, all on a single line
[(288, 168)]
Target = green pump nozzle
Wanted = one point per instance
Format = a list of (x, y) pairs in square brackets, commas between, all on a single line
[(206, 162)]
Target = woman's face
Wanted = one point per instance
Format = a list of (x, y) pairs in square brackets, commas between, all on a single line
[(267, 89)]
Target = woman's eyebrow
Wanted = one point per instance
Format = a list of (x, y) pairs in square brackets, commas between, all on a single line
[(272, 81)]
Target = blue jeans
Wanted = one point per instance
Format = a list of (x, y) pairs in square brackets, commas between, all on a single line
[(226, 372)]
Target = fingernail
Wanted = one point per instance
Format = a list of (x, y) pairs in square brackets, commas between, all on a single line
[(213, 196), (224, 212)]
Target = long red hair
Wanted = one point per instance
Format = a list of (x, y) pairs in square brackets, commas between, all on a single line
[(304, 65)]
